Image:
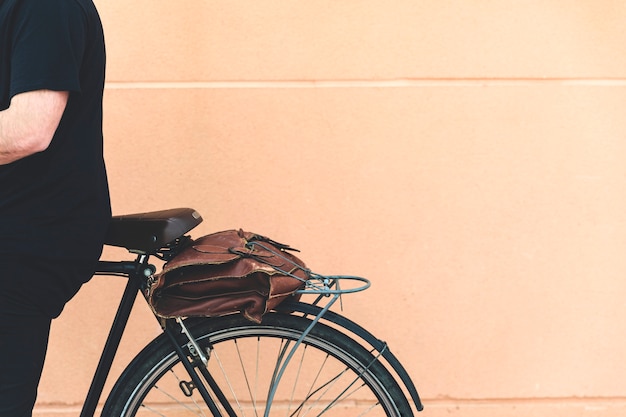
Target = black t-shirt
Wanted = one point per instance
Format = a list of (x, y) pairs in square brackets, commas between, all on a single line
[(55, 203)]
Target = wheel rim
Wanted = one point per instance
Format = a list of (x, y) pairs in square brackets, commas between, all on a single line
[(243, 362)]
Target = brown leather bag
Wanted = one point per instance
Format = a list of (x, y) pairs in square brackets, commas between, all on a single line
[(226, 272)]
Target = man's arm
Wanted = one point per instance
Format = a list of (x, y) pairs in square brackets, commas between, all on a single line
[(28, 125)]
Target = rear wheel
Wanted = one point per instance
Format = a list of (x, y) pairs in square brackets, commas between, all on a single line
[(329, 374)]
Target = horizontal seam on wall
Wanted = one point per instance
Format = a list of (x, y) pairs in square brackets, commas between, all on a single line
[(399, 83), (551, 401)]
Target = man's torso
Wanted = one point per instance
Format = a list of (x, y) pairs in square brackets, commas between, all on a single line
[(55, 203)]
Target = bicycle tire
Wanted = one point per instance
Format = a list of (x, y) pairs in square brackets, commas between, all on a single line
[(342, 377)]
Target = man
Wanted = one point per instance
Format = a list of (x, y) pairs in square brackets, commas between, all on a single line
[(54, 201)]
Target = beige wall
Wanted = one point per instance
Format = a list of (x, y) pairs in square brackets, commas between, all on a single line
[(466, 156)]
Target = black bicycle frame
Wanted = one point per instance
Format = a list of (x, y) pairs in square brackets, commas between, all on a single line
[(134, 271)]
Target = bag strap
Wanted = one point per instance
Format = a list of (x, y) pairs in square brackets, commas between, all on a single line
[(250, 237), (277, 254)]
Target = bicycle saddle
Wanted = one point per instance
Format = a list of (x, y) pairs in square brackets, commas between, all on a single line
[(148, 232)]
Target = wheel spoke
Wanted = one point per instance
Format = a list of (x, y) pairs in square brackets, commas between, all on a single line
[(197, 410), (293, 391), (245, 374), (215, 356), (322, 390)]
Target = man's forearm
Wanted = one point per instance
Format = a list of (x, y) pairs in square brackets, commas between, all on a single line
[(28, 125)]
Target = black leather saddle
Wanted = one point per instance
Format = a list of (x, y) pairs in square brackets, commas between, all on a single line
[(148, 232)]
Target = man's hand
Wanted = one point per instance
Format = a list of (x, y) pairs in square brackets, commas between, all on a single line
[(28, 125)]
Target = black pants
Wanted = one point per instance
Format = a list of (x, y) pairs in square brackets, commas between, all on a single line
[(32, 292)]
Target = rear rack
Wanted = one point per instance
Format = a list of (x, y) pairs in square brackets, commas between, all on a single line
[(327, 285)]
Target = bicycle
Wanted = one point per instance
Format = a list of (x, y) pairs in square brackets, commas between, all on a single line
[(302, 358)]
